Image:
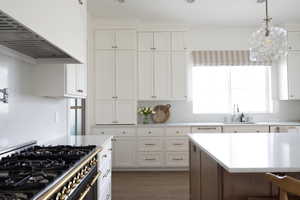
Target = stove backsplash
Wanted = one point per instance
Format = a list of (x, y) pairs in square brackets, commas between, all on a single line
[(27, 117)]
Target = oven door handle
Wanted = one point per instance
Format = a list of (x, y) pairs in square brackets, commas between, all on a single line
[(83, 195), (95, 179)]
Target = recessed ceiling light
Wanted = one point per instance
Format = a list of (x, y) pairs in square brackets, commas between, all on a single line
[(190, 1)]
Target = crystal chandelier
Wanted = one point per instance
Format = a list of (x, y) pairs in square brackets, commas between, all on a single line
[(268, 43)]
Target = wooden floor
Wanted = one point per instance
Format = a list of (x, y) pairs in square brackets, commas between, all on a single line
[(150, 186)]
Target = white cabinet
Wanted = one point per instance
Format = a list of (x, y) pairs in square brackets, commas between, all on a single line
[(246, 129), (179, 75), (162, 75), (162, 69), (162, 41), (146, 75), (116, 75), (294, 41), (285, 129), (154, 75), (124, 152), (60, 80), (49, 19), (154, 41), (178, 41), (115, 39), (206, 129), (115, 112), (289, 73), (125, 75), (105, 74)]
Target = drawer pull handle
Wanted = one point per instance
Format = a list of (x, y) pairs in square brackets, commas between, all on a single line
[(124, 132), (203, 128), (149, 159), (177, 132), (104, 156), (149, 132), (177, 159), (150, 144), (177, 144)]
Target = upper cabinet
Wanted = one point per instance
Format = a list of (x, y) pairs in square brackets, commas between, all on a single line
[(115, 39), (294, 41), (179, 41), (61, 80), (289, 72), (115, 75), (162, 66), (62, 30), (158, 41)]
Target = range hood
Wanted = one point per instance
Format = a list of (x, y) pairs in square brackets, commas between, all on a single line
[(14, 35)]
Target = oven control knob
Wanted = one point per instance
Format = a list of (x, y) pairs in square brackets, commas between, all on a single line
[(58, 196)]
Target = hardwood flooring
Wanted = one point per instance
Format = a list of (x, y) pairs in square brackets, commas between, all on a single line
[(150, 186)]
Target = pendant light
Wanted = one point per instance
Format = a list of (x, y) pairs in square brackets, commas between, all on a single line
[(268, 43)]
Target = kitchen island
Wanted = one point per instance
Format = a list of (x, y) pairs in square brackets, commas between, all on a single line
[(232, 166)]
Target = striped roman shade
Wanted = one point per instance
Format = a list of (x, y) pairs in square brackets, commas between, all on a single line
[(224, 58)]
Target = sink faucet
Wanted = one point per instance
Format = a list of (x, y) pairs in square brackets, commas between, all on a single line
[(237, 116)]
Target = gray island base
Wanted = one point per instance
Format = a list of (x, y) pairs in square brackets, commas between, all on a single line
[(216, 173)]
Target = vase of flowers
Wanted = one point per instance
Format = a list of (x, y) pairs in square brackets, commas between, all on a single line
[(146, 112)]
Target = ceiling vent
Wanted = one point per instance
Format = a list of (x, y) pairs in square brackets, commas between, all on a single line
[(19, 38)]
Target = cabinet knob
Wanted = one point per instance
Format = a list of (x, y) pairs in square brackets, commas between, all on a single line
[(149, 132), (290, 48), (80, 2), (81, 91)]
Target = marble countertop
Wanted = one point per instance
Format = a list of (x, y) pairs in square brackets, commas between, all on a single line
[(206, 124), (252, 152)]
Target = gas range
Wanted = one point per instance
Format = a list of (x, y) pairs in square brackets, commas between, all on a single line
[(48, 172)]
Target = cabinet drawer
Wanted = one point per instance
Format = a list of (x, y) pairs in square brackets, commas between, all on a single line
[(177, 144), (177, 159), (120, 132), (206, 129), (151, 132), (150, 144), (246, 129), (150, 159), (177, 131)]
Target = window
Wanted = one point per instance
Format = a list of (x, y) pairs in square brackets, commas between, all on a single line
[(217, 89)]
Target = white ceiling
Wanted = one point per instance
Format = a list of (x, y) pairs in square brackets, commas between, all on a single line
[(202, 12)]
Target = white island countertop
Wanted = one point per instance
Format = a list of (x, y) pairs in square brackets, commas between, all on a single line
[(252, 152)]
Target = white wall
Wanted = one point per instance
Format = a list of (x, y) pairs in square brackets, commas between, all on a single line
[(27, 117), (200, 38)]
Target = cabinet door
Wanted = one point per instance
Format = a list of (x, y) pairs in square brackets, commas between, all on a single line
[(71, 79), (105, 74), (179, 75), (162, 41), (124, 152), (293, 75), (178, 41), (145, 84), (246, 129), (145, 41), (105, 40), (195, 172), (126, 74), (294, 41), (126, 40), (105, 112), (162, 75), (81, 80), (126, 112)]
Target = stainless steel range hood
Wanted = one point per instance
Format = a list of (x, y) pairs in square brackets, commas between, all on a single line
[(15, 36)]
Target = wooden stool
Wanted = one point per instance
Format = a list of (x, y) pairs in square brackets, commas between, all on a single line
[(286, 185)]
